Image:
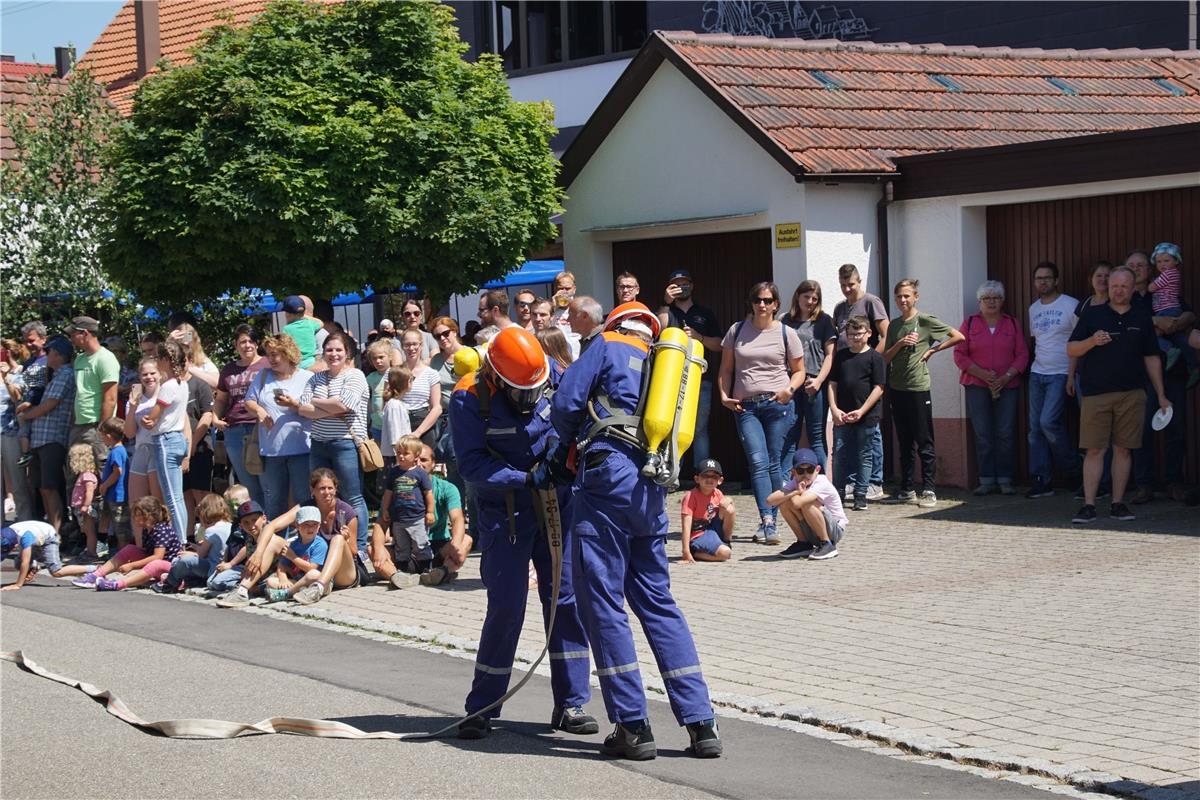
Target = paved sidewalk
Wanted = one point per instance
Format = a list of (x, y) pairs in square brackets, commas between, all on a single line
[(989, 630)]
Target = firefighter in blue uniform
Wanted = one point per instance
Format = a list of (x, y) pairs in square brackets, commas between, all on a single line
[(618, 539), (502, 436)]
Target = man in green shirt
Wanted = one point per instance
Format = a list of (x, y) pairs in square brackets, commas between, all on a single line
[(97, 373), (448, 535), (911, 339)]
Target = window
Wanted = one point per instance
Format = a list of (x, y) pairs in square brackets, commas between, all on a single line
[(508, 43), (628, 25), (585, 29), (542, 33), (543, 21)]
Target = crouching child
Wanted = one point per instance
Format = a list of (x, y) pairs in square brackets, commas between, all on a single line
[(812, 507)]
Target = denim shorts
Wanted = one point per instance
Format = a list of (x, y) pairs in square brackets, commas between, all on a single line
[(142, 460), (711, 539)]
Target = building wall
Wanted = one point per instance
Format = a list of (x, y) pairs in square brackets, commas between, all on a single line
[(675, 156), (575, 91), (841, 230)]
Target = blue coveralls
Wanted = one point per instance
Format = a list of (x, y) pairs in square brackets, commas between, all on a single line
[(521, 441), (618, 535)]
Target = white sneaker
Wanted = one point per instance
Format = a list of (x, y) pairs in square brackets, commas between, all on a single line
[(849, 493), (875, 492), (927, 500)]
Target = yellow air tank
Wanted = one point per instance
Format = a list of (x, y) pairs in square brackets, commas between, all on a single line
[(691, 398), (662, 399), (466, 361)]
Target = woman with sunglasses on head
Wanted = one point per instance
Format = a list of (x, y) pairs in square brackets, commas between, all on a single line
[(762, 368)]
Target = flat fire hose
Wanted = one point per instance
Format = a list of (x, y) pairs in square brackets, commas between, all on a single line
[(301, 726)]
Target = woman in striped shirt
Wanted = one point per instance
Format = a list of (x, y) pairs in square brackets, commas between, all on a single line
[(337, 401)]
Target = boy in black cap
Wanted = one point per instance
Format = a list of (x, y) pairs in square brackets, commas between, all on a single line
[(708, 517)]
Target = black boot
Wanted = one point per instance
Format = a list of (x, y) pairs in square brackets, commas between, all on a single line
[(474, 728), (706, 742), (634, 741)]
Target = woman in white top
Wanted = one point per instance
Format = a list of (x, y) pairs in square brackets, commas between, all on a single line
[(337, 400), (168, 422), (142, 399), (199, 364), (424, 398)]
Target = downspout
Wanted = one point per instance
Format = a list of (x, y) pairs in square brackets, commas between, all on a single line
[(1191, 24), (887, 195)]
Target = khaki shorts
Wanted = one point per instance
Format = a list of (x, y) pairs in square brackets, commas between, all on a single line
[(1114, 418)]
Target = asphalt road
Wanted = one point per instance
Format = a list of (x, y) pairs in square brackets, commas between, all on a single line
[(170, 659)]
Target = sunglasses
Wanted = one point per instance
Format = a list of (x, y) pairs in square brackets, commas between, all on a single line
[(442, 335), (411, 314), (766, 301), (806, 470), (524, 303)]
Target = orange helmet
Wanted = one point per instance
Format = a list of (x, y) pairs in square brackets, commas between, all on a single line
[(517, 358), (633, 312)]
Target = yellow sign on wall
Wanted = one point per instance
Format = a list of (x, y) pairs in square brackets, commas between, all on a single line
[(787, 234)]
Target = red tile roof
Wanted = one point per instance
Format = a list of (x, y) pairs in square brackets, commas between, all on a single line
[(16, 91), (112, 58), (852, 107)]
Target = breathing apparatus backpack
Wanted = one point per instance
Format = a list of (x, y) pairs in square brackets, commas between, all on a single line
[(664, 422)]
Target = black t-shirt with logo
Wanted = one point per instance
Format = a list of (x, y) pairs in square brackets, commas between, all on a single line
[(1117, 366), (704, 322)]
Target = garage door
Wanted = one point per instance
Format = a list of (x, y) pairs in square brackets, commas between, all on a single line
[(724, 267)]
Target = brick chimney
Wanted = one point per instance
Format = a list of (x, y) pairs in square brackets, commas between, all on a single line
[(149, 46), (64, 61)]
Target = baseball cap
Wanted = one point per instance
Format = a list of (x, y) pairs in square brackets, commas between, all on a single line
[(805, 456), (61, 346), (307, 514), (8, 539), (709, 465), (679, 273), (248, 509), (90, 324), (292, 304)]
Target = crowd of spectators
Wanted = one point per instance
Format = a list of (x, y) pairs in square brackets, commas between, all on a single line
[(89, 436)]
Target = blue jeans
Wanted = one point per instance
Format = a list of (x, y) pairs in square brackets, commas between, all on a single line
[(877, 457), (811, 413), (341, 456), (281, 474), (762, 427), (700, 450), (853, 456), (1048, 441), (994, 423), (169, 450), (235, 438)]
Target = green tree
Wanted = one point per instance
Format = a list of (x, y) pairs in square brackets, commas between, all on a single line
[(50, 218), (322, 148)]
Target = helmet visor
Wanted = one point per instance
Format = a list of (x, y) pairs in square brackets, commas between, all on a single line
[(524, 400)]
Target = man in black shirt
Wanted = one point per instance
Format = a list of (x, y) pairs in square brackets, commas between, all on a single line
[(1117, 350), (701, 324)]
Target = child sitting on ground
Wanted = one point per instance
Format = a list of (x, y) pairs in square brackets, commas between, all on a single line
[(197, 567), (35, 541), (449, 526), (229, 566), (149, 558), (241, 569), (113, 487), (708, 517), (82, 462), (407, 510), (300, 563), (812, 508)]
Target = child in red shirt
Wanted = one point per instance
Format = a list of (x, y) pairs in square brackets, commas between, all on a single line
[(708, 517)]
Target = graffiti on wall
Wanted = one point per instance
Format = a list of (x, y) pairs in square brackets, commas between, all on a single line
[(783, 19)]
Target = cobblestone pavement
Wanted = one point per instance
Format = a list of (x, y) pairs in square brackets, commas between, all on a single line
[(989, 630)]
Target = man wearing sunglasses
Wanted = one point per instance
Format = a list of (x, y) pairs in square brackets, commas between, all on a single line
[(812, 508), (524, 301)]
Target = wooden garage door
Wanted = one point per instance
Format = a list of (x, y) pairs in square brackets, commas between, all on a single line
[(724, 266), (1074, 234)]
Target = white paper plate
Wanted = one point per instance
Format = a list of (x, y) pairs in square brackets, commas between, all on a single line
[(1163, 418)]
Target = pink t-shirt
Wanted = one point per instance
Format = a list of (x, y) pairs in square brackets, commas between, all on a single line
[(79, 491), (824, 490), (703, 508), (760, 363), (1167, 290)]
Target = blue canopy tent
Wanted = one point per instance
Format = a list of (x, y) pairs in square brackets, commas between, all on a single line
[(530, 273)]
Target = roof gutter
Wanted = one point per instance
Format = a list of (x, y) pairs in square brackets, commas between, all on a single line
[(844, 177)]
